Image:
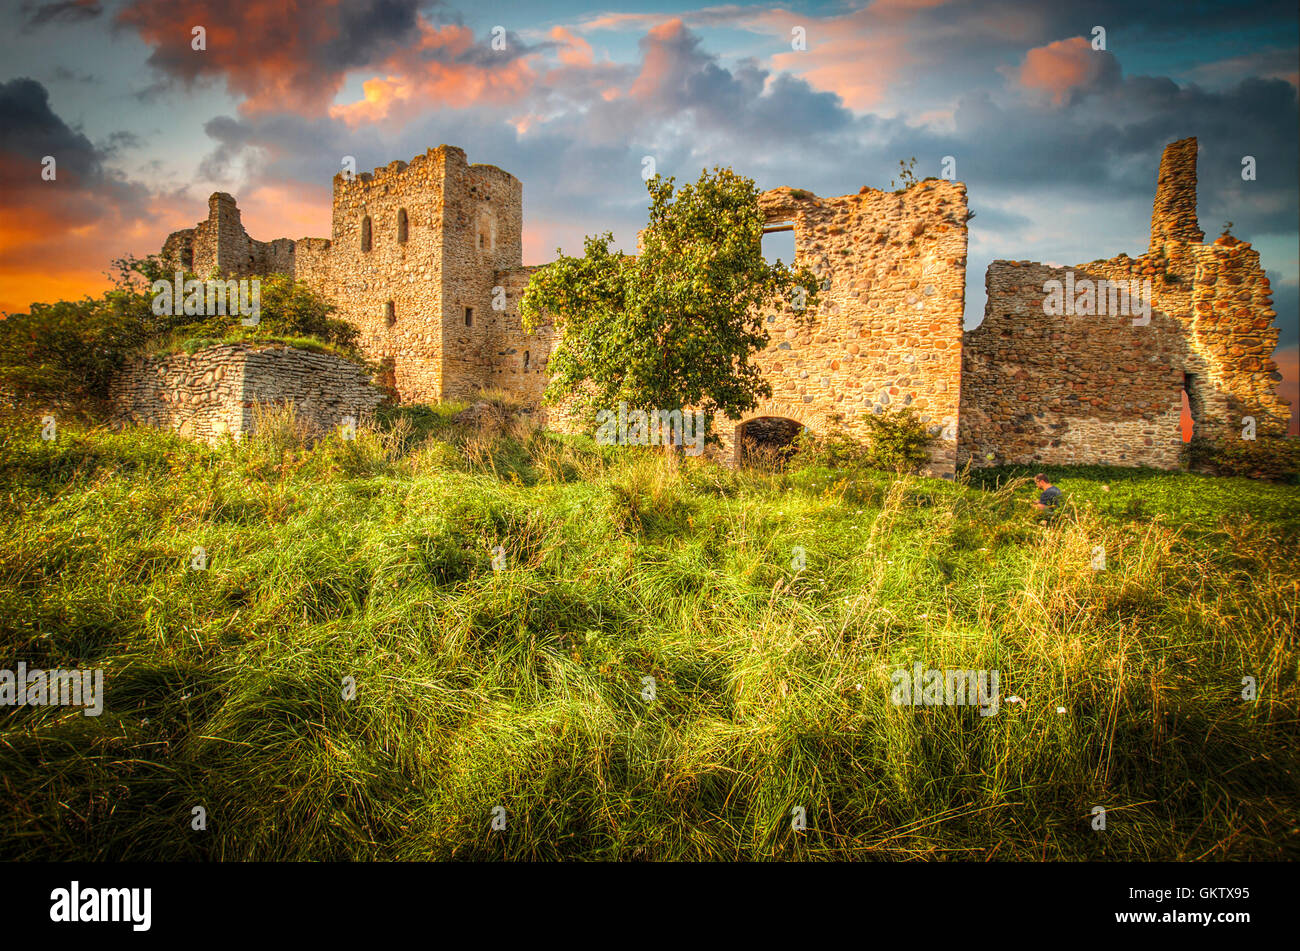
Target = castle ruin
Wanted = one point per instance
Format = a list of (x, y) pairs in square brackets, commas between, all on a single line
[(425, 259)]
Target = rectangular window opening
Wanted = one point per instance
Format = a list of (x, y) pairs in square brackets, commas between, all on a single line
[(778, 242)]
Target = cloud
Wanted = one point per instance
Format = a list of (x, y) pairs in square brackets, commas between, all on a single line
[(573, 49), (447, 66), (59, 236), (1288, 364), (63, 11), (1262, 64), (291, 54), (68, 75), (1067, 68)]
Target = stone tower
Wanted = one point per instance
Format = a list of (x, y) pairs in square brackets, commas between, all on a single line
[(411, 262)]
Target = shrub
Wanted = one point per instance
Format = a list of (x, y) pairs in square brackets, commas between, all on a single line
[(1271, 458), (896, 441)]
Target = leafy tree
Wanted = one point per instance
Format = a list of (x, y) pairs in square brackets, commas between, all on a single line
[(677, 325), (69, 350)]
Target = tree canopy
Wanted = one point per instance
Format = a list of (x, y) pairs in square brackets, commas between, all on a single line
[(678, 324)]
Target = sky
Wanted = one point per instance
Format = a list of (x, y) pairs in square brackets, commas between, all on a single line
[(1058, 141)]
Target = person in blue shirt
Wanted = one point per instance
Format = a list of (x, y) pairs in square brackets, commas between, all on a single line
[(1050, 494)]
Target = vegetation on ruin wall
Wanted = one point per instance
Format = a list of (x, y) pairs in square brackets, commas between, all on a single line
[(68, 351), (522, 688), (678, 324)]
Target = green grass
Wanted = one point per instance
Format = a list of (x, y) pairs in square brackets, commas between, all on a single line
[(522, 688)]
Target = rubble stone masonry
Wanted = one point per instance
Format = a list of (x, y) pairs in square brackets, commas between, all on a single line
[(1093, 388), (888, 329), (213, 393)]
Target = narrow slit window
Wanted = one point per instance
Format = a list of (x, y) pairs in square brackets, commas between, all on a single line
[(365, 233), (390, 313), (469, 316), (526, 358), (402, 226)]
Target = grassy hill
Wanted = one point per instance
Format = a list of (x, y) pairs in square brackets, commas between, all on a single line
[(526, 687)]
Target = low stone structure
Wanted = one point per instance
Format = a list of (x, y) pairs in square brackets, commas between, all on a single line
[(213, 393)]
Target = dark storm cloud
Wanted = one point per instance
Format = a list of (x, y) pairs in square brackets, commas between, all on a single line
[(29, 129), (85, 195), (274, 54), (63, 11)]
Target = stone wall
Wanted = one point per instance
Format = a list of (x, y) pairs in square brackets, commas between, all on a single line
[(212, 393), (888, 331), (220, 245), (1073, 388), (483, 236), (1096, 388), (393, 291)]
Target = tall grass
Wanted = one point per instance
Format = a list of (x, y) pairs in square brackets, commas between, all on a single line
[(524, 687)]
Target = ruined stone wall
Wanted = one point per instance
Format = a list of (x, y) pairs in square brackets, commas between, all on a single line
[(1173, 213), (211, 393), (220, 245), (312, 263), (1089, 387), (1074, 388), (323, 388), (888, 331), (198, 395), (1233, 338), (515, 361)]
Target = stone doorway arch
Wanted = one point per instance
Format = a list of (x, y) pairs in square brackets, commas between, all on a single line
[(730, 435), (766, 441)]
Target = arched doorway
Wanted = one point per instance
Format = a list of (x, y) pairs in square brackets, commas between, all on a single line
[(766, 441)]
